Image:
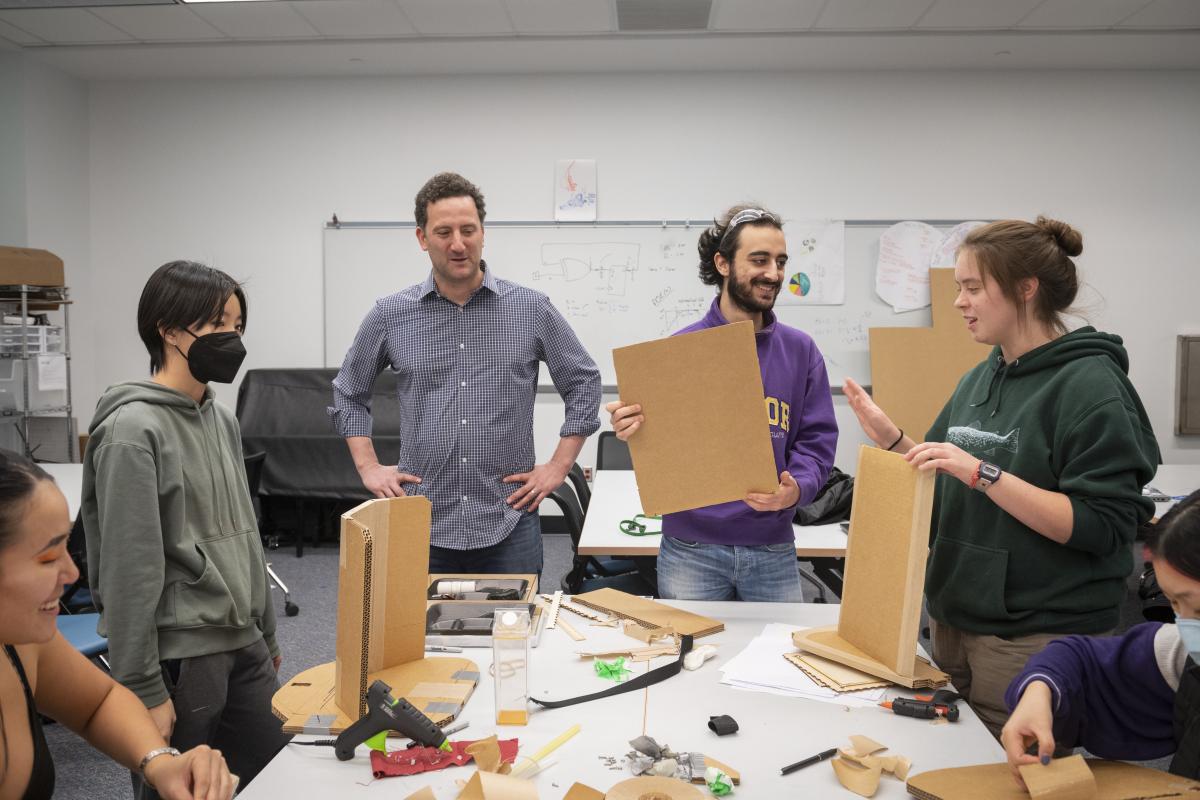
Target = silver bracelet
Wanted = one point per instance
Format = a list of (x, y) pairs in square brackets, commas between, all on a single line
[(153, 754)]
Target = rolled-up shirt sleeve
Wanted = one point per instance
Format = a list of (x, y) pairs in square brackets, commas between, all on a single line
[(573, 371), (367, 357)]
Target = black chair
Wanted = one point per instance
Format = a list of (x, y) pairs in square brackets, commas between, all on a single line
[(588, 573), (612, 453), (580, 484), (254, 467)]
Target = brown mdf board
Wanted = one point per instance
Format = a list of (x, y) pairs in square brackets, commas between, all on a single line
[(886, 551), (382, 576), (706, 438), (827, 643), (1115, 780), (649, 613), (887, 546), (438, 687), (915, 370)]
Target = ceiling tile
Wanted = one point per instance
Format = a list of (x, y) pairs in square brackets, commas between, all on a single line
[(16, 35), (764, 15), (1166, 14), (355, 17), (64, 25), (976, 14), (1080, 13), (561, 16), (457, 17), (256, 20), (159, 23), (871, 14)]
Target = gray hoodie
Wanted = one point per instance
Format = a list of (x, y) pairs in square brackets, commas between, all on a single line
[(174, 556)]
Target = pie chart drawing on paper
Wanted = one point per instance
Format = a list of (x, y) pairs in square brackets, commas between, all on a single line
[(800, 285)]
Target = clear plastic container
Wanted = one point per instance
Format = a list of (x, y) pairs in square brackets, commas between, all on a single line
[(510, 665), (36, 338)]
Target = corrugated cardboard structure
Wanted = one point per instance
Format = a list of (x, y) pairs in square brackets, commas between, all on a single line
[(885, 574), (706, 438), (914, 370), (1115, 780), (382, 578), (649, 613), (31, 267)]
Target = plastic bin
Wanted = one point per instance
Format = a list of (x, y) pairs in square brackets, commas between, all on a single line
[(12, 382), (40, 339)]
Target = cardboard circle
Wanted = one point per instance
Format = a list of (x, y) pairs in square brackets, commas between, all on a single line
[(653, 788)]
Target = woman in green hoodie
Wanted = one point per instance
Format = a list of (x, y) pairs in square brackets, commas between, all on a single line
[(1041, 451), (174, 556)]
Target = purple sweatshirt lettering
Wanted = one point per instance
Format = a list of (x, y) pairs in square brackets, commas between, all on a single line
[(803, 437)]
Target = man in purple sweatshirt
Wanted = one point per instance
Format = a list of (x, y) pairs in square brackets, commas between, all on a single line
[(745, 549)]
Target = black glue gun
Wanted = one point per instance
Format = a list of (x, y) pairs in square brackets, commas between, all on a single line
[(386, 713)]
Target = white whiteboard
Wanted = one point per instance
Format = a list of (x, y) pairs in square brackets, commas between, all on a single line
[(615, 284)]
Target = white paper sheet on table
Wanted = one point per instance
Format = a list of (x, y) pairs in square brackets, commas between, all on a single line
[(761, 667)]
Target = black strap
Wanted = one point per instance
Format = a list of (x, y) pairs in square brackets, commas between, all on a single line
[(722, 725), (640, 682)]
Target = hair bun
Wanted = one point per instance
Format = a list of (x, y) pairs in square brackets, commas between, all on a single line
[(1069, 239)]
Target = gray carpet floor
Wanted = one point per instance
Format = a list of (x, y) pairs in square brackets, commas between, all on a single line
[(308, 640)]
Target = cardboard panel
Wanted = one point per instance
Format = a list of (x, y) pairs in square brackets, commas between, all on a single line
[(382, 572), (915, 370), (354, 558), (407, 559), (1115, 780), (706, 438), (649, 613), (25, 265), (885, 558)]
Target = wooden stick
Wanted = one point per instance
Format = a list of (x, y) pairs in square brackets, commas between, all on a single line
[(569, 629)]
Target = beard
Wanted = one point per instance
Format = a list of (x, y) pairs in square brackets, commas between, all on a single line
[(742, 293)]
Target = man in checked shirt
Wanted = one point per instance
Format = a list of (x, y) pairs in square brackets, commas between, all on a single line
[(466, 346)]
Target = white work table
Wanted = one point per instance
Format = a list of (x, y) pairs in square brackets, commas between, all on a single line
[(774, 731), (1176, 480), (615, 497)]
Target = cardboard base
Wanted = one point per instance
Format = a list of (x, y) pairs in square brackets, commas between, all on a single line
[(655, 788), (438, 687), (827, 643), (1115, 780)]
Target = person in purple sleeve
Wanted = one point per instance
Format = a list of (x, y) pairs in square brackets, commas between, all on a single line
[(1134, 696), (745, 549)]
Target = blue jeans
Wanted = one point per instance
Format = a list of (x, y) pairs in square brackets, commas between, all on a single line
[(519, 552), (698, 571)]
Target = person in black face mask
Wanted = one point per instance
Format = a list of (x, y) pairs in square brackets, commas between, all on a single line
[(174, 557)]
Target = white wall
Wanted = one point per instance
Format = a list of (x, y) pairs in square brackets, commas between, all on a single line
[(12, 151), (242, 174), (57, 206)]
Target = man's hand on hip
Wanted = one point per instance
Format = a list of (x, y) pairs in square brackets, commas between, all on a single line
[(538, 482), (384, 481)]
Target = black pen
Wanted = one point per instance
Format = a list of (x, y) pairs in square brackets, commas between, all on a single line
[(818, 758)]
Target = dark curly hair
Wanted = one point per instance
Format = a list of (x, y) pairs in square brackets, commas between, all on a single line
[(720, 239), (442, 186)]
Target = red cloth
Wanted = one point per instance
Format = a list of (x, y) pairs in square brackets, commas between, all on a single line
[(416, 760)]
